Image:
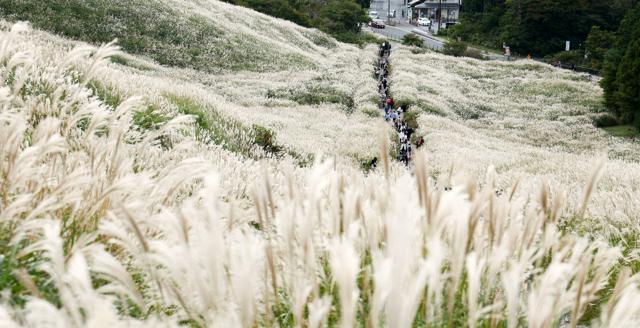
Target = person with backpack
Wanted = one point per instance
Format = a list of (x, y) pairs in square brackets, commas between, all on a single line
[(374, 163)]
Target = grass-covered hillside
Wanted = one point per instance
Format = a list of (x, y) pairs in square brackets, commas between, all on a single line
[(137, 191), (528, 122), (209, 36), (240, 70)]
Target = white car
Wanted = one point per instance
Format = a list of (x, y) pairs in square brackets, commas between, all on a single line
[(423, 21), (373, 15)]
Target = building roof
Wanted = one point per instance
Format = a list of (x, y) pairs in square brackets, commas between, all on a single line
[(436, 5)]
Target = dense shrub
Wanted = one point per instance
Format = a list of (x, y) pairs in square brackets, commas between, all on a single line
[(404, 102), (455, 48), (266, 139), (411, 118), (473, 53), (573, 57), (603, 120), (412, 40)]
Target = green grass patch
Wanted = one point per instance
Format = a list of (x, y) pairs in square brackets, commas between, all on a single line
[(617, 234), (411, 118), (624, 131), (121, 60), (11, 264), (213, 127), (314, 93), (107, 93), (150, 118), (533, 67), (421, 105), (372, 112)]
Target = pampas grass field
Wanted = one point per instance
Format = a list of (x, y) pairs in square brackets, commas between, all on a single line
[(134, 194)]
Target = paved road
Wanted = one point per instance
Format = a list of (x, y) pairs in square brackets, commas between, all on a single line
[(402, 26), (381, 7)]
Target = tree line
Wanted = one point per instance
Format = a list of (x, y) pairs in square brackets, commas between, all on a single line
[(340, 18), (604, 36)]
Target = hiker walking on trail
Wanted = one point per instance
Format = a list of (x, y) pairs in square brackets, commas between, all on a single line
[(387, 106), (407, 154), (403, 137), (390, 101), (374, 163), (386, 46)]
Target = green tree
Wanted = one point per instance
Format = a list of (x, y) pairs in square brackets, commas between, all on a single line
[(597, 44), (543, 26), (365, 3), (480, 22), (627, 95), (277, 8), (455, 48), (540, 27), (621, 70), (342, 18)]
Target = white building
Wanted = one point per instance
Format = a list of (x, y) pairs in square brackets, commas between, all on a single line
[(433, 9)]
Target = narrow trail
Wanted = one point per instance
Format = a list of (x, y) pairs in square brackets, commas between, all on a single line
[(394, 116)]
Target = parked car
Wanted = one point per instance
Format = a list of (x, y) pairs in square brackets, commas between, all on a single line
[(374, 15), (423, 21), (377, 23)]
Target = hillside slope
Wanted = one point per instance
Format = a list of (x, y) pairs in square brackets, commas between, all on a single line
[(252, 69), (529, 122), (209, 35)]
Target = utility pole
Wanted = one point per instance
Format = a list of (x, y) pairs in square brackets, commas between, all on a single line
[(388, 11), (439, 15)]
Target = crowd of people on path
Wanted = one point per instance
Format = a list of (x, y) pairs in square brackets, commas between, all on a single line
[(392, 114)]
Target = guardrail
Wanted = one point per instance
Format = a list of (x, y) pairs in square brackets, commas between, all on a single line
[(384, 33), (428, 36)]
